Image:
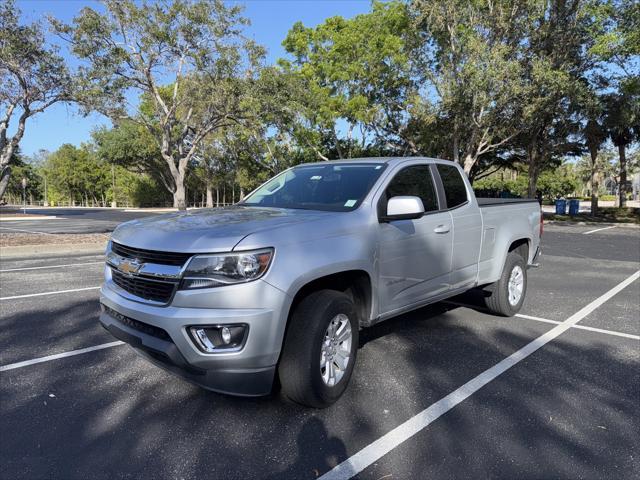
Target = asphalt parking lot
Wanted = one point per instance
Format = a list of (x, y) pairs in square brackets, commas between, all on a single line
[(69, 220), (430, 396)]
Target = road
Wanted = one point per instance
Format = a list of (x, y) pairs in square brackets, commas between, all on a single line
[(71, 220), (566, 410)]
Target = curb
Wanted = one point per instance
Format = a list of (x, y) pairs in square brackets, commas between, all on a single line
[(604, 224)]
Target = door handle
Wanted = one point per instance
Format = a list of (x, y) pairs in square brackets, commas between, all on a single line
[(442, 229)]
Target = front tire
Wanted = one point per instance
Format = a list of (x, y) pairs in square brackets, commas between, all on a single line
[(506, 296), (320, 349)]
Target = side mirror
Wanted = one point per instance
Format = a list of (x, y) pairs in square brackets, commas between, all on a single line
[(403, 208)]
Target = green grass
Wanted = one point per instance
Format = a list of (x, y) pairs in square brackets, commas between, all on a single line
[(605, 215)]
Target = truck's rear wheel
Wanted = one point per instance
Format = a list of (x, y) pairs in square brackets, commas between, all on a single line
[(506, 296), (320, 349)]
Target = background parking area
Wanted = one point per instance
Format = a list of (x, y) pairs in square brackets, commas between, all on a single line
[(566, 410), (68, 220)]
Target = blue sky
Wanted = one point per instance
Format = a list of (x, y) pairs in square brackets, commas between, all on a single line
[(270, 21)]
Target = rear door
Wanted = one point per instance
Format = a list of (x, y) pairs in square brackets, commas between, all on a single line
[(467, 224), (415, 255)]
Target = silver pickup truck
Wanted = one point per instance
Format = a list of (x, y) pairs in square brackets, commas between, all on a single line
[(282, 282)]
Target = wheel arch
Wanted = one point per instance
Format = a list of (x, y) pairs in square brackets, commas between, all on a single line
[(355, 283), (521, 246)]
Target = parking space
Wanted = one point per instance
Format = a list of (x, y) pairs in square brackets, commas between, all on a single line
[(66, 276), (51, 261), (568, 409)]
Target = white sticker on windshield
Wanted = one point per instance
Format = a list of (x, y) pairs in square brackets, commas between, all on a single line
[(350, 203), (378, 167), (316, 177)]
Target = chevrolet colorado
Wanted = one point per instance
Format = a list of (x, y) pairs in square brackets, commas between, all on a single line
[(282, 282)]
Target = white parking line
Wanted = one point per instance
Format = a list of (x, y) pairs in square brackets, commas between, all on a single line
[(582, 327), (555, 322), (376, 450), (25, 231), (49, 266), (48, 358), (49, 293), (597, 230)]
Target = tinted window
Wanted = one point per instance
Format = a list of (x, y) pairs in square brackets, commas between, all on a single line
[(415, 181), (455, 190), (337, 187)]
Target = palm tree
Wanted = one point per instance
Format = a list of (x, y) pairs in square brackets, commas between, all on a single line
[(622, 123)]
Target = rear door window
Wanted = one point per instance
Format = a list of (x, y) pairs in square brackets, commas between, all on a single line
[(455, 190)]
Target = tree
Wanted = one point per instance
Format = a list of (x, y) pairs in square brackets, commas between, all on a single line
[(32, 78), (468, 55), (188, 59), (130, 145), (616, 45), (622, 121), (356, 73), (554, 64), (22, 168), (77, 176), (594, 135)]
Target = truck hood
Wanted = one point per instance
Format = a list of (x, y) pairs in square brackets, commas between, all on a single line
[(209, 230)]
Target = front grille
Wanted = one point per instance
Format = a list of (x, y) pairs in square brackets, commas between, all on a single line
[(151, 256), (138, 325), (143, 287)]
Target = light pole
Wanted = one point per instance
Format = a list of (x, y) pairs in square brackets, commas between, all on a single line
[(24, 195)]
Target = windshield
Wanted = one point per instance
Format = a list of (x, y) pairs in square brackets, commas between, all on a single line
[(335, 187)]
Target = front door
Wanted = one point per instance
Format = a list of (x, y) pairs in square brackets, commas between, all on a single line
[(415, 255)]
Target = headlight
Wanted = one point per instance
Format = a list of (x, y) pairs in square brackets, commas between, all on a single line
[(206, 271)]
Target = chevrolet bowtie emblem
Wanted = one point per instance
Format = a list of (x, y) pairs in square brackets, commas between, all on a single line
[(129, 266)]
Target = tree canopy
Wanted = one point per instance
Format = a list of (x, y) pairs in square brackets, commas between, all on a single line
[(33, 76)]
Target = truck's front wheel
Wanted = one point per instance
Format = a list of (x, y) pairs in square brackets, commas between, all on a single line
[(320, 349), (506, 296)]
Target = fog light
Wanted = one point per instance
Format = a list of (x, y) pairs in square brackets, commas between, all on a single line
[(226, 335), (219, 338)]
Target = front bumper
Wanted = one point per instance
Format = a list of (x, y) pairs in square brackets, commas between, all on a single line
[(160, 334)]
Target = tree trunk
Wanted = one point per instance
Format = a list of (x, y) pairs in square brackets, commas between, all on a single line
[(4, 179), (179, 197), (456, 146), (217, 197), (469, 162), (622, 189), (209, 196), (534, 173), (594, 183)]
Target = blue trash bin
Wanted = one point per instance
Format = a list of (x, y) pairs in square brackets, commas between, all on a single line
[(561, 207), (574, 207)]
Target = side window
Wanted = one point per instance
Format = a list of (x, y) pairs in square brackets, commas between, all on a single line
[(415, 181), (455, 190)]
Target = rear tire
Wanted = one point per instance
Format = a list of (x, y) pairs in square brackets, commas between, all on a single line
[(313, 370), (506, 296)]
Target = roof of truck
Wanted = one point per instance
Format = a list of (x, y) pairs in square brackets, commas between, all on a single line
[(376, 160)]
